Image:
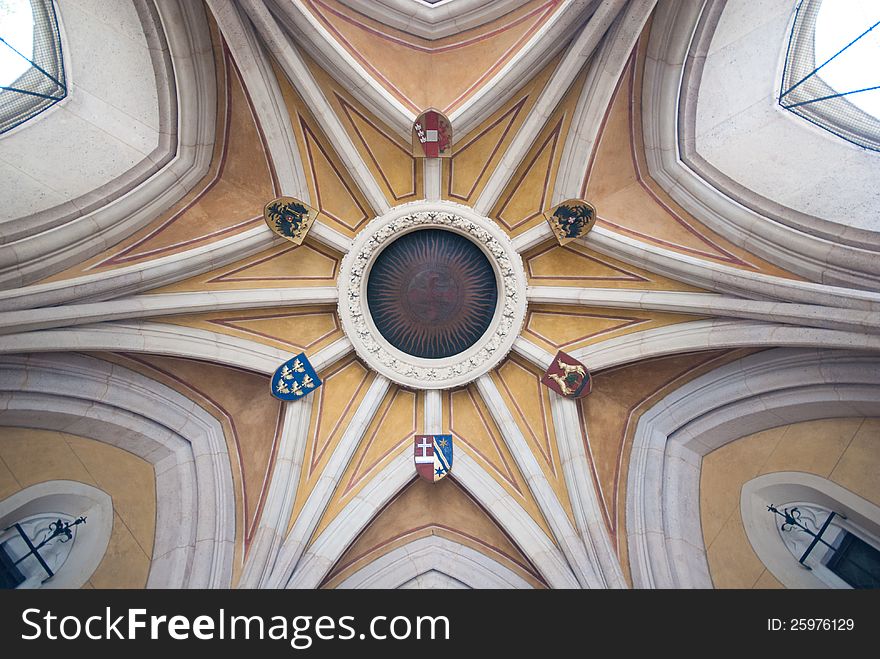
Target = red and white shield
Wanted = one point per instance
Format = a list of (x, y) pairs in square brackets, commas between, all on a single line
[(433, 456), (432, 136)]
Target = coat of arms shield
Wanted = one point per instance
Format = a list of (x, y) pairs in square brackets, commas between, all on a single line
[(568, 377), (432, 136), (571, 219), (295, 378), (289, 218), (433, 456)]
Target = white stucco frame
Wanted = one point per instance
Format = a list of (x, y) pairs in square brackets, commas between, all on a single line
[(89, 397), (466, 366), (434, 554), (761, 391)]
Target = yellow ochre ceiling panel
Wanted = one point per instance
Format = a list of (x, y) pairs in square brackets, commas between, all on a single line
[(528, 193), (441, 73), (529, 404), (610, 413), (561, 327), (331, 187), (629, 202), (281, 266), (473, 430), (530, 188), (398, 419), (424, 509), (388, 156), (476, 154), (30, 456), (333, 405), (577, 265), (296, 329)]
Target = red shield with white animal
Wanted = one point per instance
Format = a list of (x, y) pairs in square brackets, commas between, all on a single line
[(568, 377), (432, 136)]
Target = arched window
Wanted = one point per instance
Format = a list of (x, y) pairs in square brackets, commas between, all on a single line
[(824, 541), (35, 548), (29, 517), (817, 534)]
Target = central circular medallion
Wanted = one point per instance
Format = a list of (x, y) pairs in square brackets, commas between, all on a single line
[(432, 293)]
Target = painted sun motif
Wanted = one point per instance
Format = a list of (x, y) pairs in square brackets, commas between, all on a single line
[(432, 293)]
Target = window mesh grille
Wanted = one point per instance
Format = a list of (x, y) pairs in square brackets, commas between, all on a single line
[(43, 84), (807, 95)]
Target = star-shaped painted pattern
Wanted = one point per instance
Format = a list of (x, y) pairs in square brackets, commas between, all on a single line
[(183, 295)]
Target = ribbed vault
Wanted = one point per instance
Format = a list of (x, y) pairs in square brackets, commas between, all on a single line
[(151, 305)]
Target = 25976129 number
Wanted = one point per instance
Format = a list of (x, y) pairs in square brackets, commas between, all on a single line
[(811, 624)]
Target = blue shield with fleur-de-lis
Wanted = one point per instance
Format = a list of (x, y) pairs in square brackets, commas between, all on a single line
[(295, 379)]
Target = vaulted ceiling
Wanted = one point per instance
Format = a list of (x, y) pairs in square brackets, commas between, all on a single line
[(144, 302)]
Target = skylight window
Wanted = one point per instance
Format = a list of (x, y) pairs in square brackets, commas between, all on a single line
[(848, 39), (31, 63), (831, 76), (16, 39)]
